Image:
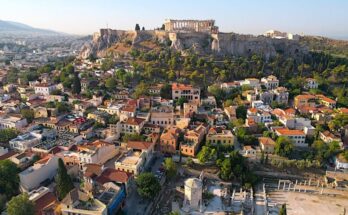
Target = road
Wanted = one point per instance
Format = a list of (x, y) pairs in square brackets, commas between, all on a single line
[(134, 203)]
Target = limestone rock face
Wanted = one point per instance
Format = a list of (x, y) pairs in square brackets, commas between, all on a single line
[(197, 42)]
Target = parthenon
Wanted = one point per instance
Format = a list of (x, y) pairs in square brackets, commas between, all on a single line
[(207, 26)]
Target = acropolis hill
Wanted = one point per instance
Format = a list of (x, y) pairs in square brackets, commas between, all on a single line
[(200, 36)]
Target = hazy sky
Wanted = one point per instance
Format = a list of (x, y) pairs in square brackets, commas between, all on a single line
[(315, 17)]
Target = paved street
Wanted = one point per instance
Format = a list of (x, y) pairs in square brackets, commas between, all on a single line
[(134, 203)]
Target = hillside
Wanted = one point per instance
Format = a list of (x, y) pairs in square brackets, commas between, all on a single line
[(338, 48), (9, 27), (119, 42)]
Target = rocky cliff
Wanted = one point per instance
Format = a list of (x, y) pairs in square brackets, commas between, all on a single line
[(121, 42)]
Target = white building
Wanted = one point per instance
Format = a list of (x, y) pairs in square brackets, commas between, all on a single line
[(162, 116), (271, 82), (44, 88), (311, 83), (341, 162), (259, 116), (252, 82), (12, 121), (97, 152), (42, 170), (139, 154), (298, 137), (25, 141), (132, 125)]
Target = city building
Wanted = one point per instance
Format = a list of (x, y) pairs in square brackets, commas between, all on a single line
[(44, 88), (188, 92), (169, 140), (162, 116), (78, 202), (271, 82), (137, 157), (132, 125), (219, 135), (97, 152), (298, 137), (266, 145), (45, 202), (311, 83), (12, 121), (42, 170)]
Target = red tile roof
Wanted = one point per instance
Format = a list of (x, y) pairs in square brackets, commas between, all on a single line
[(288, 132), (44, 202), (140, 145), (113, 175), (266, 141), (177, 86), (134, 121)]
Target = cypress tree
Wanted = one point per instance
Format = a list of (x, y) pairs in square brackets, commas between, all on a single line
[(63, 180), (76, 84)]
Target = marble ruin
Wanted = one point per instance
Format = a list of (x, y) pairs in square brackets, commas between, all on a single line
[(193, 194), (206, 26)]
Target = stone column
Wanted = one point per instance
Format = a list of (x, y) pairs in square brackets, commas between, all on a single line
[(278, 184)]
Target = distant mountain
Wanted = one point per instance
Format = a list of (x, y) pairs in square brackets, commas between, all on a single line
[(10, 27)]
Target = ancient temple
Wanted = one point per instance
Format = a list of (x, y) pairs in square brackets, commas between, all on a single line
[(207, 26)]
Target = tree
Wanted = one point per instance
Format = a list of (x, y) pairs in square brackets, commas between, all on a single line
[(163, 27), (207, 154), (133, 137), (170, 167), (20, 205), (141, 90), (284, 146), (7, 134), (180, 102), (107, 64), (9, 180), (241, 112), (166, 91), (3, 201), (143, 28), (148, 185), (76, 84), (137, 27), (282, 210), (63, 180), (262, 159), (111, 83), (28, 114)]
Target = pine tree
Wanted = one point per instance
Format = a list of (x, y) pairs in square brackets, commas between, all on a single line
[(137, 27), (20, 205), (63, 180), (76, 84)]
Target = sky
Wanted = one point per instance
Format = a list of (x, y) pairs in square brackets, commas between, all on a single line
[(310, 17)]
